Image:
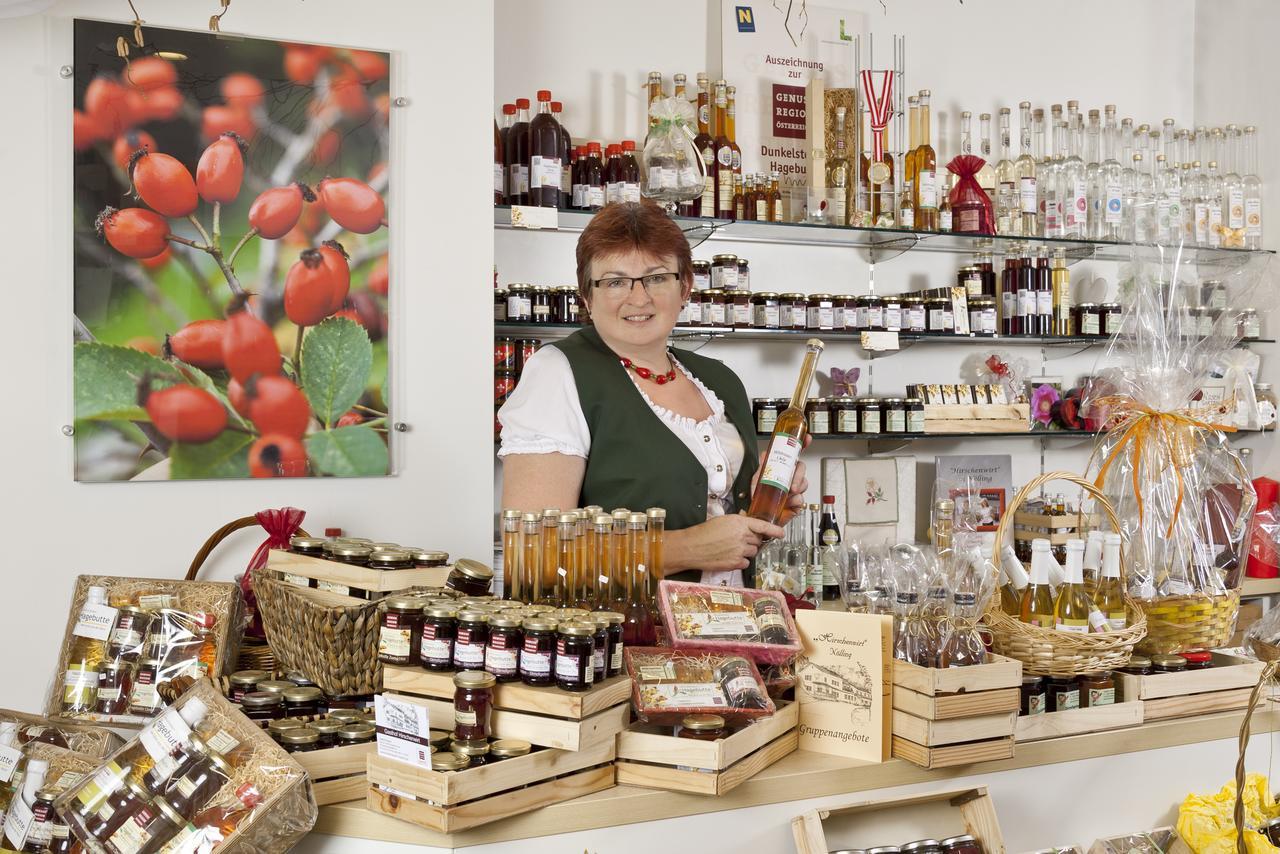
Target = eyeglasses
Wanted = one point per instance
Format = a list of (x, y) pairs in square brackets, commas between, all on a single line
[(656, 284)]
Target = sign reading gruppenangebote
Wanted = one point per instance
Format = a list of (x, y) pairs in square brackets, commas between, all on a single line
[(771, 53), (844, 678)]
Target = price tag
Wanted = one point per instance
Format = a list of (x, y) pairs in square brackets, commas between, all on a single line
[(524, 216), (404, 732), (879, 341), (95, 621)]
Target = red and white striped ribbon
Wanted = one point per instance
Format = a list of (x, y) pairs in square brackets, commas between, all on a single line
[(880, 106)]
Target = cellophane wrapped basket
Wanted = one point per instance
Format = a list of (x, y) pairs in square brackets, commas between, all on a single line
[(1048, 651), (1182, 494), (95, 741), (710, 618), (667, 685)]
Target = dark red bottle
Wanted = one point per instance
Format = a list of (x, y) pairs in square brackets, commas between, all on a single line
[(566, 155), (577, 198), (613, 175), (1027, 294), (499, 171), (504, 126), (630, 172), (517, 156), (544, 155), (1010, 318), (1044, 297), (593, 179)]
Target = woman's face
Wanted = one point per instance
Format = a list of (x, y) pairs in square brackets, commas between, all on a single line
[(635, 314)]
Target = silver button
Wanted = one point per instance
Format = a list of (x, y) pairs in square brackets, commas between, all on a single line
[(706, 438), (719, 468)]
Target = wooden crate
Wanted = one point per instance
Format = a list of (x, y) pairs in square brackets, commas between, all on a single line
[(864, 824), (1223, 687), (977, 418), (998, 672), (652, 757), (954, 731), (1030, 526), (337, 773), (453, 801), (514, 696), (1079, 721), (360, 577), (542, 730), (950, 755)]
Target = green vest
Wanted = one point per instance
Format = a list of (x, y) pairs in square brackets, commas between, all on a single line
[(636, 461)]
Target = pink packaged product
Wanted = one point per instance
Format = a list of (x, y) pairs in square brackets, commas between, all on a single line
[(668, 684), (753, 623)]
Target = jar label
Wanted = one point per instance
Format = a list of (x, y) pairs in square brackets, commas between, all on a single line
[(969, 222), (504, 662), (535, 663), (846, 421), (1036, 704), (597, 660), (893, 318), (874, 318), (780, 465), (165, 735), (713, 314), (393, 642), (939, 320), (464, 717), (9, 757), (741, 315), (437, 650), (144, 699), (468, 653), (1115, 322), (741, 686), (1102, 696), (1063, 700), (724, 277), (1089, 323), (595, 196), (819, 422), (765, 420), (684, 695), (694, 624), (108, 695), (896, 421), (915, 319), (766, 316), (870, 422), (615, 660), (567, 666), (701, 281), (915, 421)]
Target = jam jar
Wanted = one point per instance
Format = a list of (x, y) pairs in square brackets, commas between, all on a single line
[(982, 316), (765, 412), (262, 706), (1097, 689), (427, 557), (519, 304), (738, 308), (846, 312), (439, 631), (713, 308), (143, 699), (508, 748), (703, 728), (1034, 697), (765, 311), (868, 313), (914, 316), (1249, 325), (504, 354), (1112, 318), (1138, 665), (500, 305), (301, 739), (115, 682), (276, 686), (537, 657), (820, 312), (870, 415), (1168, 664), (476, 752), (302, 702), (1198, 659), (693, 309), (309, 546), (565, 309), (1064, 693), (613, 656), (502, 653), (915, 414), (390, 559), (793, 311), (473, 637), (472, 704), (1087, 318), (701, 275), (939, 320), (744, 275), (130, 633), (893, 314), (575, 644), (817, 414), (541, 297), (277, 727), (922, 846), (449, 761), (525, 348), (844, 415), (600, 650), (356, 732), (327, 730), (895, 415), (963, 844), (244, 681), (724, 272), (470, 577)]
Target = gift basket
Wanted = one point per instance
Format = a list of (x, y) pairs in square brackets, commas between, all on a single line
[(1061, 653), (752, 623), (199, 778), (1183, 497), (91, 740), (42, 772), (673, 171), (128, 637), (667, 685)]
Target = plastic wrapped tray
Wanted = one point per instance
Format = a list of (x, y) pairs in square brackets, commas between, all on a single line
[(669, 684), (95, 741), (731, 622)]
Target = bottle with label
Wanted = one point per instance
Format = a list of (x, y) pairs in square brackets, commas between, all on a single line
[(20, 814), (907, 211), (566, 156), (722, 167), (1025, 169), (544, 155), (619, 561), (945, 217), (630, 172), (1060, 286), (1050, 174), (88, 647), (838, 176), (1109, 598), (517, 156), (1071, 610), (566, 559), (987, 174), (653, 91), (1074, 196), (731, 127), (1037, 606), (1213, 198), (829, 536), (739, 199), (613, 174), (1093, 176), (775, 197), (1008, 213), (705, 144), (925, 196), (1232, 189), (913, 143), (593, 179), (785, 445), (1252, 188), (1044, 295), (1110, 221), (638, 628), (1092, 562), (1015, 581), (499, 171), (813, 551)]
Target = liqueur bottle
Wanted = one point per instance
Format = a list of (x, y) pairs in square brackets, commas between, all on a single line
[(638, 628), (1060, 287), (784, 447), (731, 128), (499, 171), (1252, 191), (619, 561), (926, 179), (1109, 598), (517, 156), (566, 156), (987, 174), (511, 588), (629, 171), (656, 534), (1025, 168), (775, 197), (705, 144), (722, 168), (544, 155), (838, 175), (829, 536), (1008, 212), (531, 557), (593, 178), (550, 556), (601, 561)]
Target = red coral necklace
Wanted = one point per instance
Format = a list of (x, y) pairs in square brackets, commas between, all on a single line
[(646, 374)]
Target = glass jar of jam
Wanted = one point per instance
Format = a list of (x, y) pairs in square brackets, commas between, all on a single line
[(1087, 319), (693, 309), (347, 714), (427, 557), (279, 726), (982, 316), (870, 415), (525, 348), (817, 413), (1064, 693), (1250, 325), (302, 702), (108, 812), (914, 316), (262, 706), (724, 272), (519, 304), (541, 296), (309, 546), (869, 313), (472, 638), (738, 308), (130, 633), (470, 577), (447, 760), (744, 275), (398, 636), (820, 312), (390, 559), (765, 311), (508, 748), (765, 412), (1034, 698), (244, 681), (714, 310), (939, 320), (188, 792), (500, 305), (963, 844), (600, 649), (1197, 659), (793, 311), (353, 554), (895, 415), (1097, 689), (915, 414), (301, 739), (565, 309), (846, 313), (327, 731), (613, 657), (504, 354), (701, 275), (575, 644), (844, 415), (502, 653), (439, 631), (922, 846), (356, 732), (114, 684), (893, 314), (475, 752), (504, 384), (275, 686), (537, 657), (472, 705), (1168, 664), (1112, 318), (702, 728), (1138, 665), (143, 699)]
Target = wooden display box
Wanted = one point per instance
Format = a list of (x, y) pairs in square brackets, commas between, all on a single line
[(1032, 526), (337, 773), (864, 824), (977, 418), (542, 730), (514, 696), (1223, 687), (451, 801), (360, 577), (955, 715), (1079, 721), (652, 757)]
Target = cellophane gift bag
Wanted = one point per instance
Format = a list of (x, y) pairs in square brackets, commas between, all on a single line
[(970, 205), (673, 171), (1182, 494)]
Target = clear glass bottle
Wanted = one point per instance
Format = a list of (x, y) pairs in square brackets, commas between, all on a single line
[(655, 537), (913, 143), (1109, 598), (785, 445), (531, 557), (1232, 190), (926, 180), (987, 174), (80, 683), (1050, 178), (722, 168), (566, 559), (945, 216), (639, 628), (1037, 599), (1060, 283), (550, 556), (1008, 212), (1144, 207), (619, 560), (511, 588), (1214, 190), (1093, 160), (601, 556), (731, 128), (1071, 610), (1025, 168), (1015, 583), (838, 176), (705, 144), (1074, 190), (1252, 186)]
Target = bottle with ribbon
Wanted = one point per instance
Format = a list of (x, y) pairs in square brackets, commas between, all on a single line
[(877, 169)]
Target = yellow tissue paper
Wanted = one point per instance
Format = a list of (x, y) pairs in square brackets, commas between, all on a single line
[(1207, 823)]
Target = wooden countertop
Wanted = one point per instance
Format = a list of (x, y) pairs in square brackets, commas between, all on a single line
[(796, 777)]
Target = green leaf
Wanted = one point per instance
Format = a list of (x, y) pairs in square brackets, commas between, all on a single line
[(106, 381), (336, 358), (348, 452), (224, 457), (202, 380)]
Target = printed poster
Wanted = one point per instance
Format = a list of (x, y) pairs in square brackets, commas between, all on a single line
[(844, 678)]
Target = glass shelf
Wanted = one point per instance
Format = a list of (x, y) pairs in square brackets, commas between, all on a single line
[(882, 244), (916, 437)]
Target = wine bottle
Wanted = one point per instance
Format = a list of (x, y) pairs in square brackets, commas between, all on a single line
[(1110, 598), (829, 535), (1037, 598), (1072, 609), (784, 447), (1016, 579)]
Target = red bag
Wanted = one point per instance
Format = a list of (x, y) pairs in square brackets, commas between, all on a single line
[(970, 205)]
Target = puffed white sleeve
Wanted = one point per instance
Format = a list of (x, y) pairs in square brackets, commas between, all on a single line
[(543, 415)]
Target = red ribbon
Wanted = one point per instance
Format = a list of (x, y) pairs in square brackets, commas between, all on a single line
[(880, 107), (996, 366), (280, 525)]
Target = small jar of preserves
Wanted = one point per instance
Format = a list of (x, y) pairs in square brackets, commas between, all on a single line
[(1097, 689), (390, 559), (472, 705), (309, 546), (500, 305), (327, 731), (353, 554), (473, 637), (744, 275), (356, 732), (244, 681), (915, 414), (738, 305), (525, 348), (1112, 318), (575, 645), (1168, 664), (427, 557), (870, 415), (302, 702), (565, 309), (143, 698), (275, 686), (301, 739), (1034, 697), (504, 354), (519, 304), (701, 275), (537, 657), (262, 706), (1087, 319), (502, 653), (277, 727), (470, 578), (541, 296), (963, 844), (970, 278), (476, 752), (398, 636), (844, 415), (682, 319), (893, 314), (817, 413), (939, 316), (600, 650), (922, 846), (846, 312), (869, 313), (1064, 693), (895, 415), (1138, 665), (447, 760), (1250, 325), (115, 681), (724, 272), (130, 633), (765, 311), (504, 384), (613, 656), (694, 308), (713, 308), (820, 312), (508, 748), (765, 412), (982, 316), (914, 317), (439, 631), (793, 311), (702, 728), (1198, 659)]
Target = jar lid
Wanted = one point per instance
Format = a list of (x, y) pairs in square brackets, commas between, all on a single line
[(613, 617), (895, 401), (566, 289), (563, 614), (792, 295), (358, 730), (720, 259), (302, 695), (1032, 680), (222, 765), (478, 747), (869, 401), (444, 611), (541, 289), (540, 624), (700, 264), (576, 629), (403, 603), (171, 815), (700, 723), (378, 547), (505, 621), (817, 401), (473, 617), (474, 569), (513, 288), (327, 726), (1197, 656), (301, 735), (448, 762), (439, 737), (1174, 661), (280, 725), (275, 686), (765, 401), (248, 677), (499, 293), (819, 296), (350, 550), (920, 845), (1086, 305), (474, 679), (766, 295), (540, 608), (260, 699), (1138, 661), (346, 715), (507, 747), (885, 849), (712, 292), (958, 840), (1115, 306), (109, 666), (364, 541), (871, 298), (942, 300), (741, 261), (914, 401), (396, 555), (47, 793)]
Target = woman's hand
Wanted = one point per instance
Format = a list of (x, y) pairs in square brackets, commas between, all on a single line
[(720, 544), (799, 484)]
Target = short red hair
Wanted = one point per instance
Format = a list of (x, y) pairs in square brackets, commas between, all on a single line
[(644, 227)]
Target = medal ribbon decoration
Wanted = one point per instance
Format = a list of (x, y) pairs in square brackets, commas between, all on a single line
[(880, 106)]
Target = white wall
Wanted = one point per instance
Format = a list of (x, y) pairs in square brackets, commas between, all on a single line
[(442, 259)]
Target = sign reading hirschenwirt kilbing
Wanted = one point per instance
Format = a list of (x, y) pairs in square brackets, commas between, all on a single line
[(843, 684)]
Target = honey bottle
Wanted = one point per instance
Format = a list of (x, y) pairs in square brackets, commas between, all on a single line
[(566, 558), (601, 571), (511, 588), (550, 555), (619, 560), (656, 533), (638, 629), (1037, 600)]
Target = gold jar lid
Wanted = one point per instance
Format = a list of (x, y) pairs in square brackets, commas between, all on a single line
[(540, 624), (1174, 661), (505, 621), (700, 723), (479, 747), (439, 738), (281, 724), (350, 550), (577, 629), (765, 295), (792, 295), (299, 735), (302, 695), (724, 259), (358, 730), (364, 541), (327, 726), (508, 747), (820, 296), (474, 569), (259, 700), (442, 611), (346, 714), (396, 555), (474, 679), (433, 555), (473, 617), (248, 677), (449, 761)]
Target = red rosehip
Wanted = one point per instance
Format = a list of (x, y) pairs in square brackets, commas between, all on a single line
[(136, 232), (221, 169), (379, 277), (163, 183), (218, 119), (150, 72), (336, 261), (84, 130), (129, 142), (184, 413), (162, 104), (107, 103), (350, 418), (242, 90), (248, 347), (346, 91), (239, 400), (155, 262), (372, 66), (277, 456), (308, 289), (326, 148), (277, 406), (275, 212), (301, 64), (199, 343), (352, 204)]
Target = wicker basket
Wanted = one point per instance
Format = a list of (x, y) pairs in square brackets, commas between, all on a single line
[(1178, 623), (1047, 651), (1267, 677), (336, 645)]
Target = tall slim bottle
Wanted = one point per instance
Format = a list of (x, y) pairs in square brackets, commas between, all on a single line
[(926, 186), (1027, 292), (1060, 280), (639, 626), (722, 168), (656, 536), (601, 562), (1074, 191), (619, 560), (1047, 184), (1037, 599), (550, 556), (517, 159), (1144, 206), (987, 174), (1252, 190), (499, 171), (1093, 175), (1010, 316), (566, 559), (1071, 610), (1044, 295), (593, 179), (731, 127), (80, 682), (839, 175), (544, 155), (653, 91), (1213, 194), (1025, 166), (1016, 580), (566, 155), (1233, 188), (775, 197), (913, 143), (1008, 212), (785, 444), (1111, 225), (704, 145), (829, 536), (511, 588), (581, 591), (531, 557), (1109, 598)]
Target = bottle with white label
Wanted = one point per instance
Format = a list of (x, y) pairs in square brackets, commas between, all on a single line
[(1074, 196), (785, 445), (517, 155), (544, 155), (18, 817), (1232, 189), (1252, 185), (1037, 599), (1213, 199), (925, 188), (1071, 610), (1025, 169), (88, 646), (1109, 598)]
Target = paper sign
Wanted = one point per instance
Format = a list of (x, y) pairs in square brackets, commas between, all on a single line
[(95, 621), (523, 216), (17, 822), (404, 732), (9, 757), (165, 735), (879, 341), (843, 682)]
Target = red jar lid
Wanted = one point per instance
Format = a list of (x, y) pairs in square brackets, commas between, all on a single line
[(1197, 656)]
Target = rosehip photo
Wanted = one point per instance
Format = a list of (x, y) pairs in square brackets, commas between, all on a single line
[(231, 239)]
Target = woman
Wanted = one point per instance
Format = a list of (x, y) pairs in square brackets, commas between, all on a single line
[(611, 416)]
